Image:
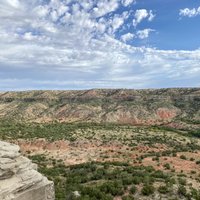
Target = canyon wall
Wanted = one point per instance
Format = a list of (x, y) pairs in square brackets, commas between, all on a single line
[(120, 106)]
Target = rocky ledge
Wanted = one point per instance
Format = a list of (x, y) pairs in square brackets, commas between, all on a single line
[(19, 179)]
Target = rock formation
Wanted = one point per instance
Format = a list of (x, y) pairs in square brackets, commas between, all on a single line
[(19, 179)]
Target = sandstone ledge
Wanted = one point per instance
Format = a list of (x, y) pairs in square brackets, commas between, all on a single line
[(19, 179)]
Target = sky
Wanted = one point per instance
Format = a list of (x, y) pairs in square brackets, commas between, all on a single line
[(84, 44)]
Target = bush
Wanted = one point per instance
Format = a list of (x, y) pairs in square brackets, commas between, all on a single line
[(182, 181), (155, 158), (113, 188), (133, 189), (127, 180), (192, 159), (159, 174), (163, 189), (195, 194), (174, 154), (182, 190), (198, 162), (94, 193), (136, 180), (148, 190), (183, 157), (166, 166), (129, 197)]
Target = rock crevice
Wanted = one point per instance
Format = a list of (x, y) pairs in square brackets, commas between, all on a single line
[(19, 179)]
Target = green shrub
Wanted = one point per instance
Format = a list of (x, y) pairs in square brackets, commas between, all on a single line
[(182, 190), (114, 188), (148, 190), (198, 162), (133, 189), (192, 159), (174, 154), (166, 166), (163, 189), (182, 181), (128, 197), (136, 180), (183, 157)]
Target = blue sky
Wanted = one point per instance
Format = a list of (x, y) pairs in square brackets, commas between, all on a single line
[(172, 30), (71, 44)]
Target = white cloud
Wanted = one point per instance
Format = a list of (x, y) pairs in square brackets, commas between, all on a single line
[(126, 37), (186, 12), (42, 11), (139, 16), (142, 14), (78, 47), (28, 36), (117, 22), (127, 2), (142, 34), (151, 15), (14, 3), (87, 4), (104, 7)]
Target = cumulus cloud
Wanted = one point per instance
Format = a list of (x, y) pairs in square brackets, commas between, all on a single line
[(187, 12), (127, 2), (142, 14), (117, 22), (126, 37), (142, 34), (82, 44), (105, 6)]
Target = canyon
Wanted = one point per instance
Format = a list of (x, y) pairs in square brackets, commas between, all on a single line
[(105, 144)]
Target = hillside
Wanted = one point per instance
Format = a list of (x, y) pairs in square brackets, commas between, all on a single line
[(119, 106)]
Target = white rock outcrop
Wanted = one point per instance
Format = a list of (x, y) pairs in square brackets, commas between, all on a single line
[(19, 179)]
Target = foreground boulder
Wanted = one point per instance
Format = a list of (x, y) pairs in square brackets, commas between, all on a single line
[(19, 179)]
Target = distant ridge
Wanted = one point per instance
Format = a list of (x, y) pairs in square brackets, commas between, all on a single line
[(124, 106)]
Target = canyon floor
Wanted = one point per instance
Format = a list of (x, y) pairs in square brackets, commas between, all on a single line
[(89, 160)]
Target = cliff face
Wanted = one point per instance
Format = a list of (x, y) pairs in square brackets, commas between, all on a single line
[(19, 179), (114, 106)]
